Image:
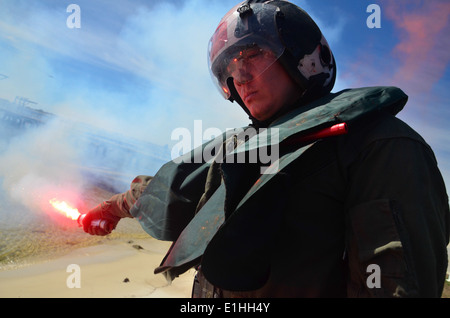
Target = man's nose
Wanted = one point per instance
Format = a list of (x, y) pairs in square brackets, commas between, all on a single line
[(243, 75)]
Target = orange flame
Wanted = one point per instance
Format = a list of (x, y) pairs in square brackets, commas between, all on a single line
[(64, 208)]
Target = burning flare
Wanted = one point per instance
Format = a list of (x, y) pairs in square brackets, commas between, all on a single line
[(65, 209)]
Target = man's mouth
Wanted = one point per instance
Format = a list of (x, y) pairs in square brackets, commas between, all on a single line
[(249, 95)]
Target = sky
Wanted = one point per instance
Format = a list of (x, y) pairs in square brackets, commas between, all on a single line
[(139, 68)]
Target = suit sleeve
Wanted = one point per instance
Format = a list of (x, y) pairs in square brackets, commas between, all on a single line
[(120, 204), (397, 221), (169, 202)]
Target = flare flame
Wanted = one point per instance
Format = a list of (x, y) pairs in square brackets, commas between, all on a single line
[(65, 209)]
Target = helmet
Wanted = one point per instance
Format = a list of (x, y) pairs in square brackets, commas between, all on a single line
[(278, 27)]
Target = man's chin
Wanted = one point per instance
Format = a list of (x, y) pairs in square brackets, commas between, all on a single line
[(259, 116)]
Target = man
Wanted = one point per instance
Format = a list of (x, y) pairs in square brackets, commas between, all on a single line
[(364, 214)]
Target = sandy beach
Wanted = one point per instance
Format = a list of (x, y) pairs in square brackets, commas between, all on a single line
[(38, 253), (113, 269)]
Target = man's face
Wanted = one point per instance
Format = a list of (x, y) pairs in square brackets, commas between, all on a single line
[(262, 83)]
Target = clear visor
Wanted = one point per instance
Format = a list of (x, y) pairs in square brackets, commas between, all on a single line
[(241, 49), (249, 63), (242, 66)]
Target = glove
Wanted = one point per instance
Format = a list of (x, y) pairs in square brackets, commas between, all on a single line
[(99, 214), (117, 207)]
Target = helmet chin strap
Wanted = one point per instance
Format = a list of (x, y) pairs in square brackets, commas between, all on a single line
[(314, 91)]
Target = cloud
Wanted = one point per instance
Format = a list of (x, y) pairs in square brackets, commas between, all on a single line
[(130, 62), (411, 50), (424, 47), (138, 68)]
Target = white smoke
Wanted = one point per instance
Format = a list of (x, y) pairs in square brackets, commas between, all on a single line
[(39, 163), (135, 70)]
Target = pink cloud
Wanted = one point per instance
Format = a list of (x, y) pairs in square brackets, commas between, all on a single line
[(419, 58), (423, 51)]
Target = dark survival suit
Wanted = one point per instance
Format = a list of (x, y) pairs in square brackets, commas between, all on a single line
[(315, 227)]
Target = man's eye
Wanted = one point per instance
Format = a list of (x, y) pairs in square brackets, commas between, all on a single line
[(253, 55)]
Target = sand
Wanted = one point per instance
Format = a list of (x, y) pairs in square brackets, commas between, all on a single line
[(116, 269), (121, 267)]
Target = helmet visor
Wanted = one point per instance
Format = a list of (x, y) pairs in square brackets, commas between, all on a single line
[(249, 63), (242, 48)]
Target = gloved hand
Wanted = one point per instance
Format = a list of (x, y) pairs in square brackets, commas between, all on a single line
[(100, 213), (117, 207)]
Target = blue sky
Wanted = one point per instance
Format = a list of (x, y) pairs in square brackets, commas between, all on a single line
[(139, 68)]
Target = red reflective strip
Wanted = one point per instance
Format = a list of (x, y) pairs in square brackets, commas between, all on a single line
[(336, 130)]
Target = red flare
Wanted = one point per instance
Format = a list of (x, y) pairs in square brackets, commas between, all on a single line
[(65, 209)]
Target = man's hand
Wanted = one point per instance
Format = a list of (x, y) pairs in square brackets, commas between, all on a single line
[(111, 211), (100, 213)]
